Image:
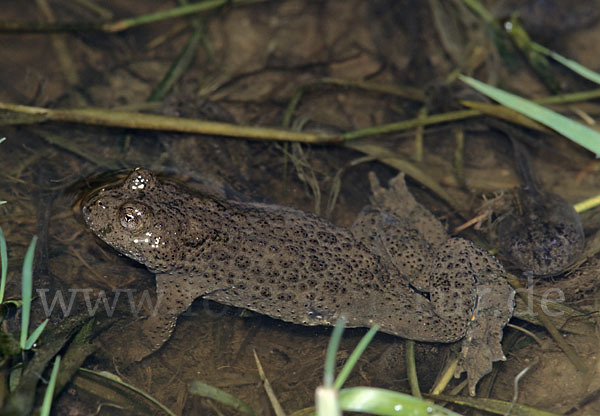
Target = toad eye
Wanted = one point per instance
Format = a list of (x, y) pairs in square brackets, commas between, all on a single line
[(133, 216)]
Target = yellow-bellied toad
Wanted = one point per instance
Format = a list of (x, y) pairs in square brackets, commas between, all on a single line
[(396, 267)]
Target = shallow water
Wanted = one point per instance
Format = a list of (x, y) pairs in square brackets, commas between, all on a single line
[(47, 167)]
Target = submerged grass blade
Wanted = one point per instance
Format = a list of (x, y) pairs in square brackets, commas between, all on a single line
[(3, 265), (411, 368), (386, 402), (218, 395), (332, 349), (179, 67), (26, 288), (47, 403), (354, 357), (577, 132), (111, 378)]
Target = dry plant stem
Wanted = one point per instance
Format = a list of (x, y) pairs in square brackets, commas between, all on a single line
[(409, 93), (569, 98), (585, 117), (132, 120), (172, 13), (158, 122), (504, 113), (481, 108), (418, 150), (541, 316), (410, 124), (403, 91), (587, 204), (163, 37), (526, 332), (455, 391), (469, 223), (96, 8), (267, 386), (118, 26), (123, 119), (458, 160), (447, 375)]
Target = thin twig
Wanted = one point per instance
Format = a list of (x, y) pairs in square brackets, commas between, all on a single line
[(267, 386)]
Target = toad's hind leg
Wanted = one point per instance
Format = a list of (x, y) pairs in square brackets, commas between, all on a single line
[(432, 293), (452, 294), (413, 318), (452, 280), (447, 288)]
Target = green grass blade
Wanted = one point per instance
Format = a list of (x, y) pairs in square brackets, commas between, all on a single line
[(3, 265), (572, 65), (332, 348), (47, 403), (26, 287), (216, 394), (388, 403), (327, 402), (411, 368), (35, 335), (354, 357), (577, 132)]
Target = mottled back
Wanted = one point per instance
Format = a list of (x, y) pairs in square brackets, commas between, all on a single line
[(397, 268)]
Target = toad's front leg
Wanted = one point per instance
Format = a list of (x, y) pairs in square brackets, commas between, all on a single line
[(174, 295)]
